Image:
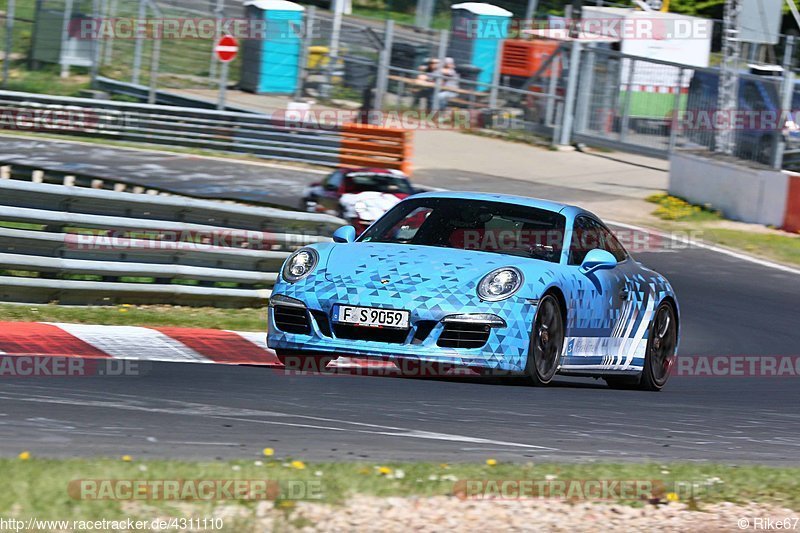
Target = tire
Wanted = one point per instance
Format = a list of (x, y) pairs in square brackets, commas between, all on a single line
[(547, 342), (659, 357), (661, 344)]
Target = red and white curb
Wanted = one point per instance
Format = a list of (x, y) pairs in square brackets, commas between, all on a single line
[(170, 344)]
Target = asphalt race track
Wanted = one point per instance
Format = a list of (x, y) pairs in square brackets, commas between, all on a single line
[(729, 307)]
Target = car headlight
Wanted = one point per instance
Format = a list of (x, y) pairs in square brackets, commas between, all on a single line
[(500, 284), (300, 264)]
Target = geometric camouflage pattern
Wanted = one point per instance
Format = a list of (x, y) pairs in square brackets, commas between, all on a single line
[(606, 331)]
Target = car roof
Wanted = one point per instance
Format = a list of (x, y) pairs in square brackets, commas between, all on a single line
[(569, 211), (372, 170)]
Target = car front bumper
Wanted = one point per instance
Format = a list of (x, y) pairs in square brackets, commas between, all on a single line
[(443, 330)]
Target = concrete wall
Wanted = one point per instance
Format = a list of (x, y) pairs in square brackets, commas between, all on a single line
[(740, 192)]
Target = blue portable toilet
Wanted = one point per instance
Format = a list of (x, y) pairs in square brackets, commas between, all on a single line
[(271, 58), (477, 30)]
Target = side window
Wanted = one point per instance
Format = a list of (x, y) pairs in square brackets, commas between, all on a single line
[(333, 181), (610, 243), (589, 234), (584, 238)]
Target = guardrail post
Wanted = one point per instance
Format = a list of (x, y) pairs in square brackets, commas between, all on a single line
[(96, 16), (154, 61), (555, 69), (498, 61), (585, 89), (787, 91), (676, 114), (626, 106), (569, 98), (65, 38), (308, 39), (437, 87), (383, 66), (9, 40), (137, 51), (108, 48), (218, 12)]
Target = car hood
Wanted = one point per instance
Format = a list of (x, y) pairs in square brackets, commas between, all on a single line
[(405, 265)]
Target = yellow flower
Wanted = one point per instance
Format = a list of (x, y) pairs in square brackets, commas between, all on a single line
[(268, 452), (384, 470), (24, 456), (123, 310), (299, 465), (286, 504), (491, 462), (672, 497), (127, 458), (444, 465)]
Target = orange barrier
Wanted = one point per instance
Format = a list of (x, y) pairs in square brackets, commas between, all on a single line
[(791, 220), (365, 145)]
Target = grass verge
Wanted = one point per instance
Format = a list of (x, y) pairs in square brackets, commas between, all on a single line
[(142, 315), (41, 487), (677, 214)]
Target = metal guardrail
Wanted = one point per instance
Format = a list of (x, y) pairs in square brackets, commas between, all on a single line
[(281, 138), (82, 246)]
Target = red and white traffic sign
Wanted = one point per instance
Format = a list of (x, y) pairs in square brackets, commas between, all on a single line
[(227, 48)]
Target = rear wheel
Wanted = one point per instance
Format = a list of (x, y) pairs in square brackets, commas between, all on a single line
[(660, 349), (547, 341), (659, 357)]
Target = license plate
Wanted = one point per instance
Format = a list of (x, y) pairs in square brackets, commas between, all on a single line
[(370, 317)]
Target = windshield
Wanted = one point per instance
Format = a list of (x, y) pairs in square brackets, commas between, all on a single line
[(367, 181), (487, 226)]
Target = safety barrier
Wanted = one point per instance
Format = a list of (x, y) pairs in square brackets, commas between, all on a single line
[(365, 145), (86, 246), (287, 138)]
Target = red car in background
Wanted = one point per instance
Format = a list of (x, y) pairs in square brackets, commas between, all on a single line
[(359, 196)]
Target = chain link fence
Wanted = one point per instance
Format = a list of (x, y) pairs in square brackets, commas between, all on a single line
[(597, 95)]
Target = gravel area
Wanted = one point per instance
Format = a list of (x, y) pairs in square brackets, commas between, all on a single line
[(450, 513)]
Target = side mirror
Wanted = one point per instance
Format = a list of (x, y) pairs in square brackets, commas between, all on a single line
[(347, 234), (598, 259)]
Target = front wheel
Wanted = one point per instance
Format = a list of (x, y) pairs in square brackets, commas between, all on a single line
[(547, 341)]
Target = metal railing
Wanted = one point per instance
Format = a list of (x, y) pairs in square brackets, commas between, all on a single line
[(284, 137), (80, 245)]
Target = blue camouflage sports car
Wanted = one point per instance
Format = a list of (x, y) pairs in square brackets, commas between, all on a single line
[(495, 283)]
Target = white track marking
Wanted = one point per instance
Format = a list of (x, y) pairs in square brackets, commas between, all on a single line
[(229, 414), (256, 337), (131, 342), (710, 247)]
